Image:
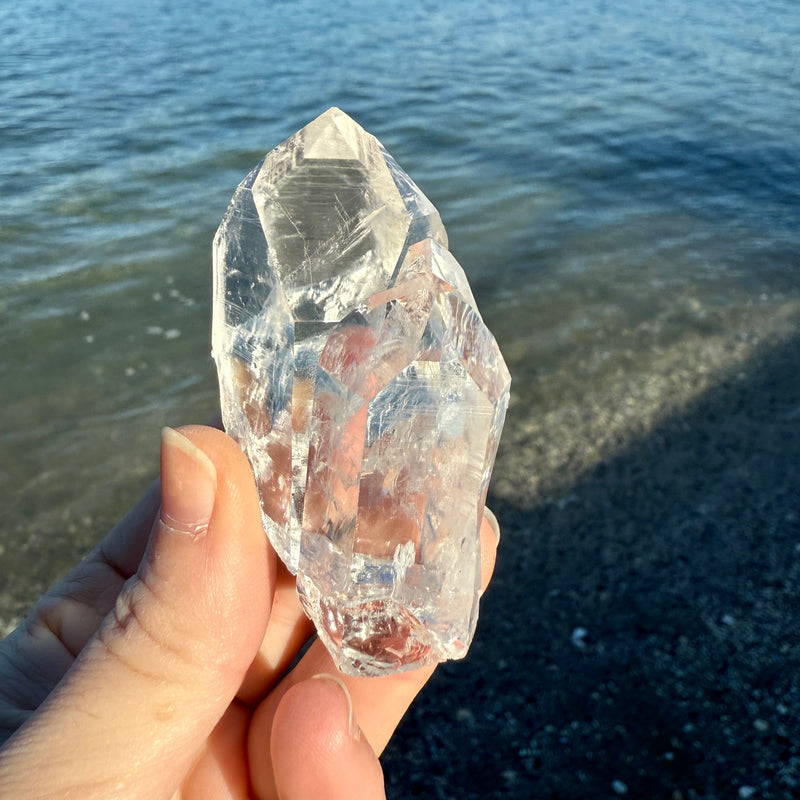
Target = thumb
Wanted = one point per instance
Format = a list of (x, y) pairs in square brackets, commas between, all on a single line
[(134, 711)]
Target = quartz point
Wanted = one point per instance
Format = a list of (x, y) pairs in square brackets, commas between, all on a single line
[(369, 396)]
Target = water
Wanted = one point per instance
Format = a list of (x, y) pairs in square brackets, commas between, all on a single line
[(620, 181)]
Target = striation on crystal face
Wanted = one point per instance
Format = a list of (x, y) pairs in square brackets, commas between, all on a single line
[(359, 378)]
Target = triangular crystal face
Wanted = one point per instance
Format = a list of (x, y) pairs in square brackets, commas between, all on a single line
[(334, 136), (369, 396)]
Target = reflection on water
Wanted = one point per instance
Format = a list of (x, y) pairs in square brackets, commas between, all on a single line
[(620, 182)]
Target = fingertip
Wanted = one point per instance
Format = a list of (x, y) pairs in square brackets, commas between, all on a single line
[(493, 523), (214, 442), (490, 539), (177, 438), (237, 508), (352, 725), (188, 484), (317, 748)]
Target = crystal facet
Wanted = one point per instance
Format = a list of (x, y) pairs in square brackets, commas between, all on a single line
[(360, 380)]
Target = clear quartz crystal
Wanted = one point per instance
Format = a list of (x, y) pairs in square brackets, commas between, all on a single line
[(360, 380)]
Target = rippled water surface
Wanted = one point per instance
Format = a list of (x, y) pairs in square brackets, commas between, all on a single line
[(620, 181)]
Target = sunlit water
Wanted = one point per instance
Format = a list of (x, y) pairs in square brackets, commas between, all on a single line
[(620, 180)]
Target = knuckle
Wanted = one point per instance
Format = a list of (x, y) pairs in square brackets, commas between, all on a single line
[(145, 635)]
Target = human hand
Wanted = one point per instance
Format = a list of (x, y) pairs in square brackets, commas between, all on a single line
[(157, 667)]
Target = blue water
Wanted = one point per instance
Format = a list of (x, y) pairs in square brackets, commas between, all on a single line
[(620, 180)]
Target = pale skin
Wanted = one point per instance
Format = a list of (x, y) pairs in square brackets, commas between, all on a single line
[(154, 669)]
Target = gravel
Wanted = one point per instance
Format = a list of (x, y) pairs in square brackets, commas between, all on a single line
[(641, 636)]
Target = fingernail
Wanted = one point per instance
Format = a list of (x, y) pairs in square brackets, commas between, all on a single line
[(188, 485), (352, 725), (492, 520)]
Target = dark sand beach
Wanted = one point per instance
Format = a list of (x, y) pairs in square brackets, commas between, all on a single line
[(641, 636)]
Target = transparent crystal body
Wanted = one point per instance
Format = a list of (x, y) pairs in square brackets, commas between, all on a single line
[(359, 378)]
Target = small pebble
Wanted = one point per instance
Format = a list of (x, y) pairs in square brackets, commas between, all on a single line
[(747, 791), (85, 316), (727, 619), (761, 725), (619, 787), (154, 330), (579, 637), (509, 776), (172, 333), (89, 339)]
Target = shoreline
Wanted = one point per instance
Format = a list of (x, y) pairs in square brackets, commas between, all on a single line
[(560, 427)]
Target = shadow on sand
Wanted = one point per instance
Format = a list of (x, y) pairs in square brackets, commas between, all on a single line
[(642, 634)]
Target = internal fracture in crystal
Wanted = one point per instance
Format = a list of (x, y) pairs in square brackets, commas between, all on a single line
[(360, 380)]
